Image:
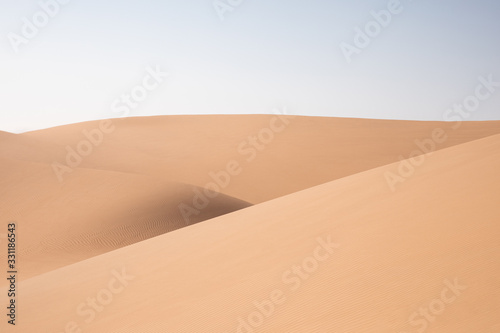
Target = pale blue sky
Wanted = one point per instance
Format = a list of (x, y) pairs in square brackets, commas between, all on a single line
[(263, 55)]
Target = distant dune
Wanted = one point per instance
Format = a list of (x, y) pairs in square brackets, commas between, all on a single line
[(370, 259), (24, 148), (299, 153)]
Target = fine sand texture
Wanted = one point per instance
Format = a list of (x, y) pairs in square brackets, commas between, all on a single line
[(346, 256), (90, 214), (136, 178), (253, 223)]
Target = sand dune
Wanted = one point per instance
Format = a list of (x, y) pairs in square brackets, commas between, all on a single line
[(24, 148), (346, 256), (276, 155), (91, 213), (125, 179)]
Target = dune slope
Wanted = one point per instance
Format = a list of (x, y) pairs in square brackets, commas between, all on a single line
[(93, 212), (274, 155), (24, 148), (346, 256)]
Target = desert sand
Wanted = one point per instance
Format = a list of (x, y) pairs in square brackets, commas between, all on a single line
[(303, 151), (307, 236), (91, 214)]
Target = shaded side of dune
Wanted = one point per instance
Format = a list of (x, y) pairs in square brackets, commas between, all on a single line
[(92, 213)]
